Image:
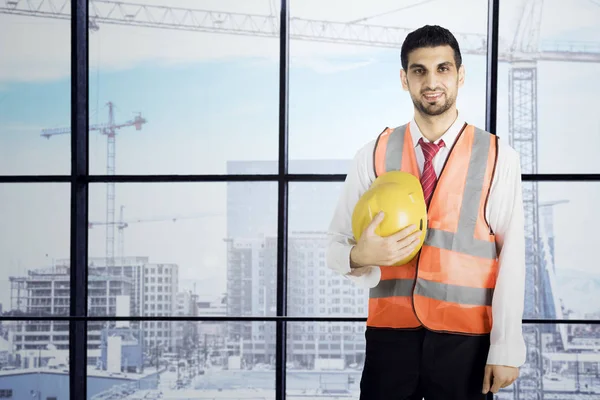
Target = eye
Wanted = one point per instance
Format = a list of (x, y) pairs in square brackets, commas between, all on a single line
[(421, 226)]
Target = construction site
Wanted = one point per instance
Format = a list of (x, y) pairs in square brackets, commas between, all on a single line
[(563, 361)]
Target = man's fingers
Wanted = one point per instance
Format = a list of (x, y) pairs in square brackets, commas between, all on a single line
[(509, 381), (487, 380), (498, 384), (498, 378), (407, 246), (411, 240), (374, 223), (402, 250), (403, 233)]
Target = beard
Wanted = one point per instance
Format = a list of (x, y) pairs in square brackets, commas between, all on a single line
[(435, 108)]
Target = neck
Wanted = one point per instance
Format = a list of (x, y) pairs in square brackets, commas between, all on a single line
[(434, 127)]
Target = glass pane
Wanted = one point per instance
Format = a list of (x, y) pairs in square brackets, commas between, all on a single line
[(35, 89), (193, 90), (329, 356), (562, 363), (35, 233), (562, 278), (325, 359), (535, 108), (191, 360), (345, 72), (314, 289), (34, 358), (161, 243), (568, 279)]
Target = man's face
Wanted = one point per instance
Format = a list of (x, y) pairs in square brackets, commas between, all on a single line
[(432, 79)]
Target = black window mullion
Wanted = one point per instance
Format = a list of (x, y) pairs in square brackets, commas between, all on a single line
[(324, 177), (282, 220), (491, 78), (79, 199)]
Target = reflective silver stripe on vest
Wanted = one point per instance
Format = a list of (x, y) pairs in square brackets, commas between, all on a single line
[(393, 151), (454, 293), (392, 287), (463, 241)]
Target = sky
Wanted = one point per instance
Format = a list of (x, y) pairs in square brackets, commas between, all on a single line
[(210, 98)]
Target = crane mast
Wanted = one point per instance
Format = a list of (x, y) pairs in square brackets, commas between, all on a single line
[(524, 139), (110, 187)]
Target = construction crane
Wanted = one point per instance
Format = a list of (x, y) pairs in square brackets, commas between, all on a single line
[(522, 53), (110, 130), (356, 32), (524, 139)]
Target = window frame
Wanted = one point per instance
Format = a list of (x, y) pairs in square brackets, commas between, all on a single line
[(80, 179)]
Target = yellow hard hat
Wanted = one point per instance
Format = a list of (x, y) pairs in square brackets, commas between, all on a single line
[(400, 196)]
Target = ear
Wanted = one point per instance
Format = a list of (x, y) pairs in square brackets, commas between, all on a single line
[(461, 75), (404, 79)]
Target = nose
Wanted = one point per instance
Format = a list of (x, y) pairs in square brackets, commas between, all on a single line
[(431, 81)]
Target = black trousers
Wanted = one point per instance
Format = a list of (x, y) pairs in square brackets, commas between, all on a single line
[(421, 364)]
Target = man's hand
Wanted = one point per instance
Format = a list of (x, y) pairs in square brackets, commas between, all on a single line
[(500, 375), (372, 249)]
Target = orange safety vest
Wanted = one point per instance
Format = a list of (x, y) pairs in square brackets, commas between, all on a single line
[(449, 286)]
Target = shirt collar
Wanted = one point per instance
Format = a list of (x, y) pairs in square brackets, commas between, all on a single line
[(449, 136)]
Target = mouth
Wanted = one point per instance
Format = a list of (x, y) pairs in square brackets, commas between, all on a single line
[(432, 96)]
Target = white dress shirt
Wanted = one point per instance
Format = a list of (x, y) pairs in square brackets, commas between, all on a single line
[(504, 213)]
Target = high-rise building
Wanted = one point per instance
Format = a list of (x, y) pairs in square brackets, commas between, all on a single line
[(45, 291), (154, 290), (186, 332), (251, 279), (151, 288), (313, 290)]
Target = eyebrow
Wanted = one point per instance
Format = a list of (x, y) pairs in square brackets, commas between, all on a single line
[(444, 64)]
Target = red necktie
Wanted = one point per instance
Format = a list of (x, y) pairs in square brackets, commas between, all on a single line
[(428, 177)]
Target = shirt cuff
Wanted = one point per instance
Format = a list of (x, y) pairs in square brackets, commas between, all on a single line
[(365, 277), (510, 355), (368, 279)]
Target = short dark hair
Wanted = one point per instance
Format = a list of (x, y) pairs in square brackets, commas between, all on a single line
[(429, 36)]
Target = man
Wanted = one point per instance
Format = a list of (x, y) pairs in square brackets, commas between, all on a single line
[(434, 338)]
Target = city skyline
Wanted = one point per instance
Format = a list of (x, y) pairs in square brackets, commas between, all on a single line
[(248, 199)]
